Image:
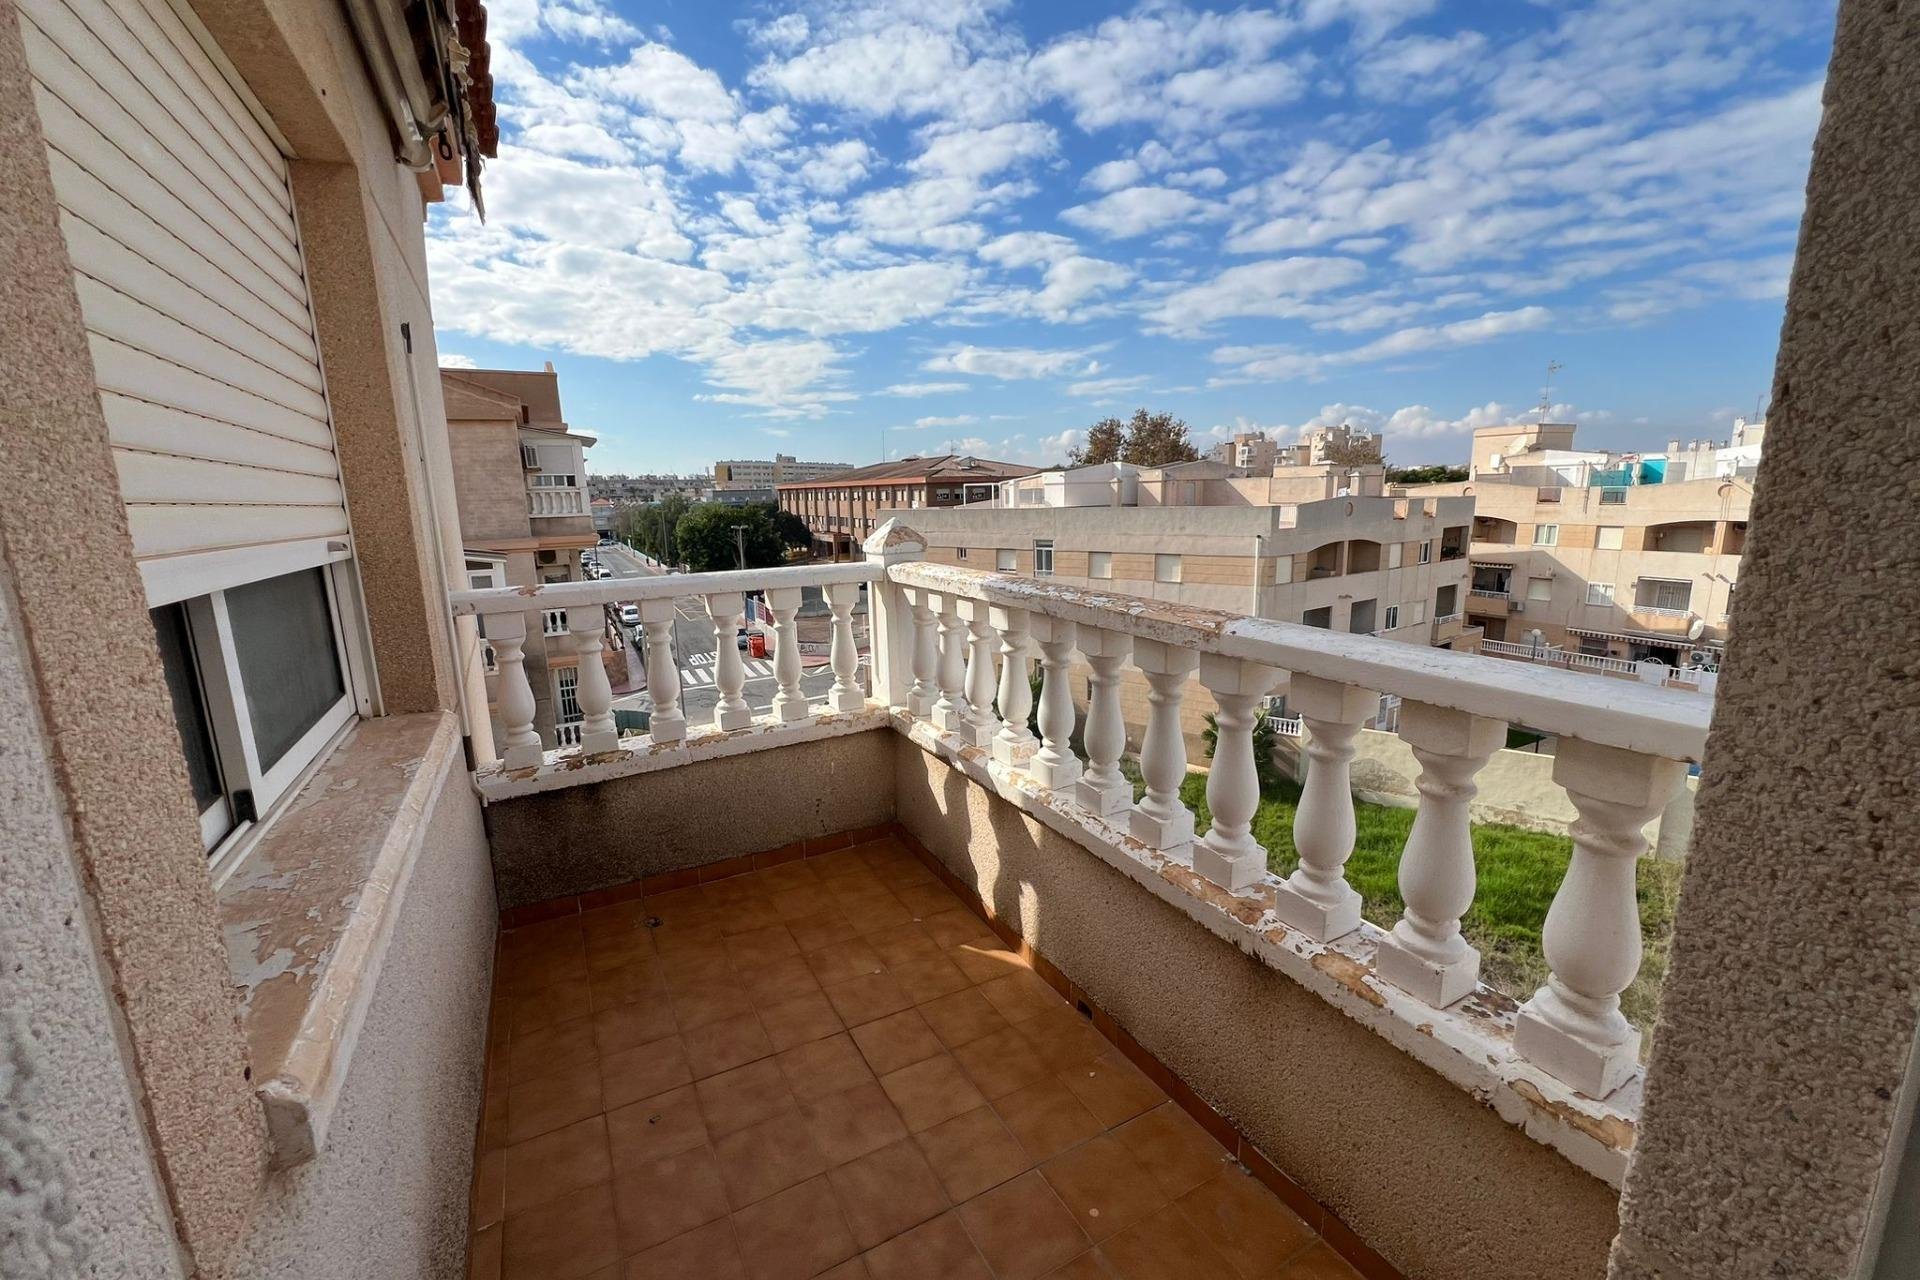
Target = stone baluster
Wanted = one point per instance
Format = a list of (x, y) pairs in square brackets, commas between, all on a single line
[(980, 724), (1425, 954), (588, 625), (1054, 766), (846, 694), (789, 702), (950, 672), (727, 609), (1228, 855), (1104, 790), (508, 634), (1572, 1028), (1014, 743), (1161, 820), (1316, 899), (926, 654), (667, 722)]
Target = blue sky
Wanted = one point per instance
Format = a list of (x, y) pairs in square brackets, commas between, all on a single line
[(832, 228)]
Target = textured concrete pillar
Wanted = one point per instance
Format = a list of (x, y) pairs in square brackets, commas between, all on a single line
[(1790, 1008)]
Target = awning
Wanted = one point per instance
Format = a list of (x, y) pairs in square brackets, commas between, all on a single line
[(1637, 637)]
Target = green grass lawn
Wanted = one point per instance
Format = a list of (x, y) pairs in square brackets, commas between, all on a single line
[(1518, 871)]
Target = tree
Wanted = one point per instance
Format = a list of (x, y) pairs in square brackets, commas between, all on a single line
[(652, 527), (707, 540), (1105, 439), (1157, 440), (1436, 473), (792, 529), (1361, 452), (1265, 766)]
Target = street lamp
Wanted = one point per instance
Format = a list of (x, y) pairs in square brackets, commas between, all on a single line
[(740, 543)]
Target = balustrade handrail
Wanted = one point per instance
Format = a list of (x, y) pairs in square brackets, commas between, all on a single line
[(1639, 718), (572, 595)]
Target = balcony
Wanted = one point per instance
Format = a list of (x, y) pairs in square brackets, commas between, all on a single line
[(895, 1004), (542, 503), (1491, 604)]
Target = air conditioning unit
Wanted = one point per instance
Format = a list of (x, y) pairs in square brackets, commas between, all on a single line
[(1516, 606), (529, 457), (548, 557)]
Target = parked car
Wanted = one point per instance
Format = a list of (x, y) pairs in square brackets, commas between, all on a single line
[(740, 639), (630, 615)]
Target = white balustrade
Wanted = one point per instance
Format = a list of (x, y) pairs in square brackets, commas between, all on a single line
[(1425, 954), (588, 623), (667, 722), (1316, 899), (979, 726), (843, 657), (567, 734), (950, 671), (553, 622), (519, 740), (1572, 1028), (1104, 790), (1054, 766), (1161, 820), (727, 609), (926, 654), (1228, 854), (789, 701), (1013, 743)]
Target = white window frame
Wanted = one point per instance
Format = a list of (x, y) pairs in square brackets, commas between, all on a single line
[(217, 665), (959, 553), (1006, 560), (1546, 535), (1600, 593), (1426, 553), (1601, 533), (1392, 620), (1043, 557), (1166, 567), (1396, 555), (1100, 564)]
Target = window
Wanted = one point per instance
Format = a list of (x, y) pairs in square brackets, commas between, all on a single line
[(1664, 593), (258, 687), (1613, 497), (556, 480), (1546, 535), (566, 689), (1166, 568), (1426, 553), (1321, 617), (1099, 564), (1446, 601), (1396, 553), (1006, 560), (959, 553), (1393, 618), (1608, 537), (1540, 589), (1599, 593), (1419, 608), (1043, 557), (1283, 569)]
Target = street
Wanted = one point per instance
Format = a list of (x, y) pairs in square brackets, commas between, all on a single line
[(693, 647)]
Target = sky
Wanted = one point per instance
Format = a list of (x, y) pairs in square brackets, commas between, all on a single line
[(848, 229)]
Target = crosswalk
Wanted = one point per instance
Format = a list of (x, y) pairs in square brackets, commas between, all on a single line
[(699, 670)]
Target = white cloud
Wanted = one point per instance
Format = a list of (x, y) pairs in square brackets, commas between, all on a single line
[(923, 388), (1009, 362), (1276, 287), (1101, 387), (1135, 211), (835, 166), (454, 360), (1113, 175), (957, 420), (1282, 362)]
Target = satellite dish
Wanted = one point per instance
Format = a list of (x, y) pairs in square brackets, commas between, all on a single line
[(1697, 628)]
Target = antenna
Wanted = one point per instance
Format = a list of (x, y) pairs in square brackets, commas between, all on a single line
[(1546, 393)]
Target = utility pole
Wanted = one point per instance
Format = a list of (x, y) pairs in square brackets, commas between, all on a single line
[(740, 543)]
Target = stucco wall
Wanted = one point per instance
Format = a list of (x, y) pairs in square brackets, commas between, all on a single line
[(387, 1195), (1427, 1176), (582, 838), (1788, 1017), (82, 1197)]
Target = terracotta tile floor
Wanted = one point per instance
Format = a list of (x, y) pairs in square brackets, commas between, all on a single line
[(832, 1068)]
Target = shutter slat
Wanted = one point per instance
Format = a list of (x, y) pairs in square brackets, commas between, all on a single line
[(158, 428)]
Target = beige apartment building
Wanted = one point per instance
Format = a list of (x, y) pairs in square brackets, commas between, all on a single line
[(762, 473), (520, 479), (843, 509), (1629, 557), (1390, 567)]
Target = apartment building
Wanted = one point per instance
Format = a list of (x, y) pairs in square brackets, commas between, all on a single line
[(625, 490), (520, 482), (843, 509), (783, 468), (1390, 567), (245, 896), (1627, 557)]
